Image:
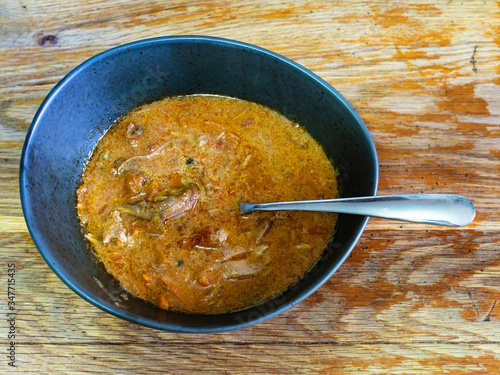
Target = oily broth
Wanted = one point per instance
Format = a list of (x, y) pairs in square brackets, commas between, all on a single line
[(159, 203)]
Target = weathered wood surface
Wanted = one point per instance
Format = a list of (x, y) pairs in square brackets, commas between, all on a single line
[(411, 299)]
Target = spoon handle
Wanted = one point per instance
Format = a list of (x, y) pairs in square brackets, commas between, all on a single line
[(435, 209)]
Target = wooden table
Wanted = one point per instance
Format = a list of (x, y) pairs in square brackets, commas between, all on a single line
[(411, 299)]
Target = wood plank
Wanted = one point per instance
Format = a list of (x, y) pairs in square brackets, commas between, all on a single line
[(279, 358)]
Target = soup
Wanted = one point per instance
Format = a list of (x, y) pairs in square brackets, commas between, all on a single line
[(159, 203)]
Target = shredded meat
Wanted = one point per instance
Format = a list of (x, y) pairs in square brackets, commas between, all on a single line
[(176, 207), (113, 230)]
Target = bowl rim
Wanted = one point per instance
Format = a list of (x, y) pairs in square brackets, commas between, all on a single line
[(177, 39)]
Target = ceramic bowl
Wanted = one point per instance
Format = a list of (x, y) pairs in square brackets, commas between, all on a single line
[(83, 105)]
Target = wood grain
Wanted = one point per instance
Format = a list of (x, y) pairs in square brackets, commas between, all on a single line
[(411, 299)]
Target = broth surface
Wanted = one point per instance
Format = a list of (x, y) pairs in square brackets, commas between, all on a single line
[(159, 200)]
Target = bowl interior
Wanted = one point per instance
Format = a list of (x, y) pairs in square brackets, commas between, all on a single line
[(85, 103)]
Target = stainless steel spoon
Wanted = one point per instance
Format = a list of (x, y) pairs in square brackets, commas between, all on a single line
[(435, 209)]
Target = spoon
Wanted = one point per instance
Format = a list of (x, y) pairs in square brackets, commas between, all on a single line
[(435, 209)]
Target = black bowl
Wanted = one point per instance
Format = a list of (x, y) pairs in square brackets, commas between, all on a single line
[(80, 109)]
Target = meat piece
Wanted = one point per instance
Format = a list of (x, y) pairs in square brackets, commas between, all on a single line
[(203, 280), (211, 238), (171, 207), (176, 290), (142, 210), (140, 162), (113, 230), (240, 269), (135, 181), (153, 190), (263, 229), (231, 252), (178, 206)]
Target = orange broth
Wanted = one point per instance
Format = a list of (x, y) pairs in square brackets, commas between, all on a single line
[(159, 199)]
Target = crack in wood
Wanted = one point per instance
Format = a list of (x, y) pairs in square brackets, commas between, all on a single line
[(473, 304), (473, 60), (262, 343), (488, 314)]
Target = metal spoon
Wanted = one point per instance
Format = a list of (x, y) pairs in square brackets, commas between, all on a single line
[(435, 209)]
